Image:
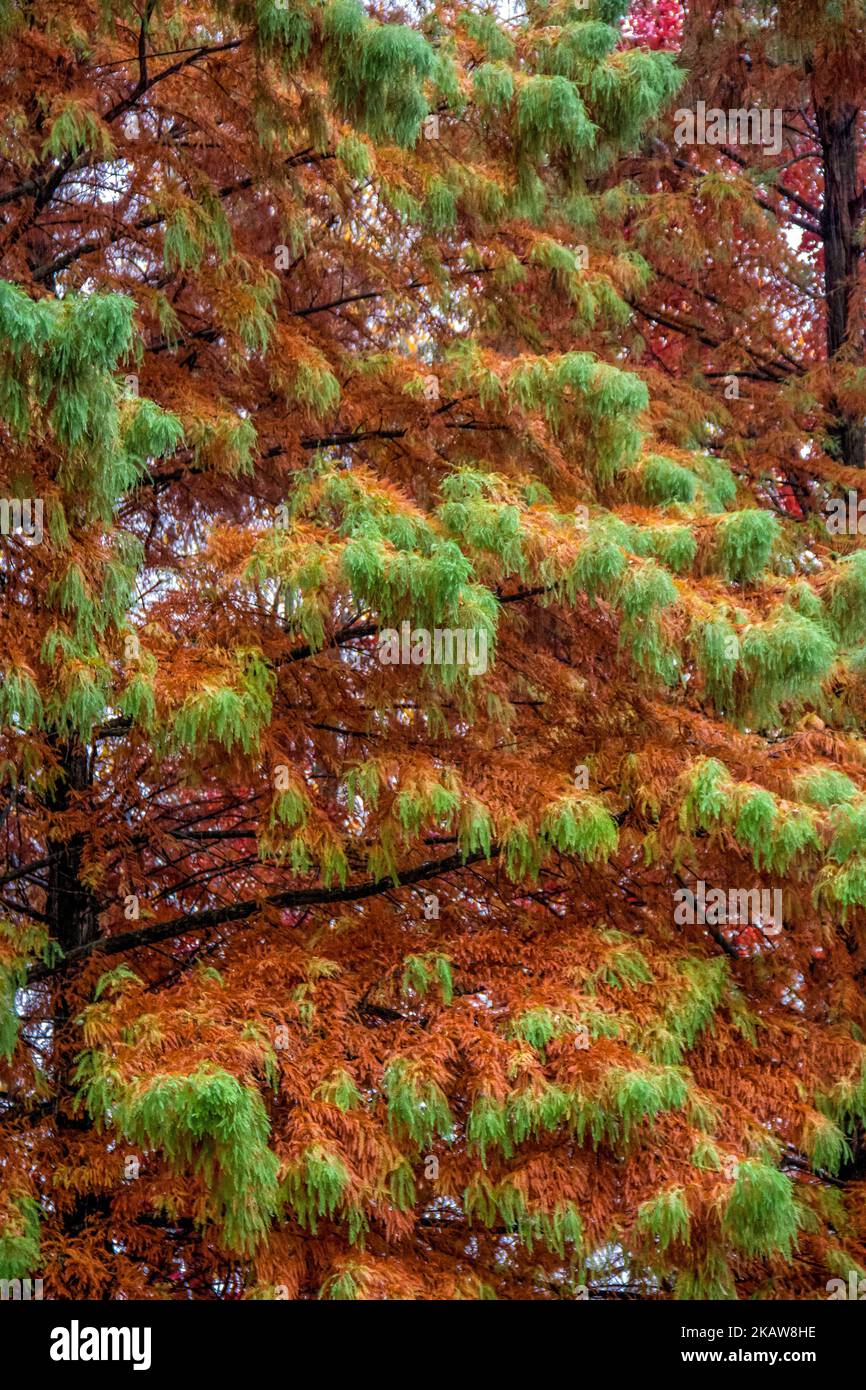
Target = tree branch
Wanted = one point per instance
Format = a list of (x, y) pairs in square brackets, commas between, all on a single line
[(239, 912)]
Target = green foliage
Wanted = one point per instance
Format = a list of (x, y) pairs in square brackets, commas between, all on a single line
[(674, 546), (569, 276), (537, 1027), (775, 833), (551, 117), (77, 129), (355, 156), (376, 72), (478, 520), (847, 605), (756, 823), (252, 318), (848, 824), (706, 1156), (761, 1216), (645, 592), (664, 1218), (212, 1123), (417, 1107), (841, 889), (624, 968), (580, 825), (120, 575), (709, 1279), (701, 988), (560, 1230), (290, 808), (803, 599), (575, 47), (625, 95), (662, 481), (20, 1239), (717, 486), (493, 86), (316, 1185), (445, 81), (825, 1144), (339, 1089), (11, 980), (824, 787), (540, 1025), (20, 701), (432, 590), (81, 690), (115, 979), (718, 652), (795, 837), (785, 660), (475, 830), (57, 363), (24, 946), (311, 383), (484, 29), (149, 432), (137, 701), (10, 17), (488, 1128), (285, 29), (344, 1287), (419, 972), (637, 1096), (845, 1103), (744, 544), (229, 714), (195, 228), (418, 802), (599, 566), (575, 389), (222, 444)]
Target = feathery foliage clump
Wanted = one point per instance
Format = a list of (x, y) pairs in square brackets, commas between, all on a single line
[(211, 1123), (761, 1214), (20, 1238)]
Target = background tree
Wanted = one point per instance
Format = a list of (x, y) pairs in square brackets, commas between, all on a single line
[(330, 977), (762, 296)]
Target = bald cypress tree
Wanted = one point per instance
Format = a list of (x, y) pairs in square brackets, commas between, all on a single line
[(404, 742), (759, 301)]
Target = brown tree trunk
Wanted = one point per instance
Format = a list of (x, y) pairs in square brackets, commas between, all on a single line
[(71, 907), (72, 911), (837, 127)]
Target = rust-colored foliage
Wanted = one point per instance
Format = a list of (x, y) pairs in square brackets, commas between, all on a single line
[(331, 973)]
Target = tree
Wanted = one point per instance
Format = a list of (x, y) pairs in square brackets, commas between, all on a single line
[(387, 699), (762, 300)]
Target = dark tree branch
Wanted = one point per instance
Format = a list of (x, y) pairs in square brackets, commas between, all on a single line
[(239, 912)]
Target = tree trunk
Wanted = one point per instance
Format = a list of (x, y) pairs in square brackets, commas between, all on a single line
[(837, 127), (73, 921), (71, 907)]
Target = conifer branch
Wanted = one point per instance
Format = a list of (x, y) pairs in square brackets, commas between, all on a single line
[(240, 911)]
